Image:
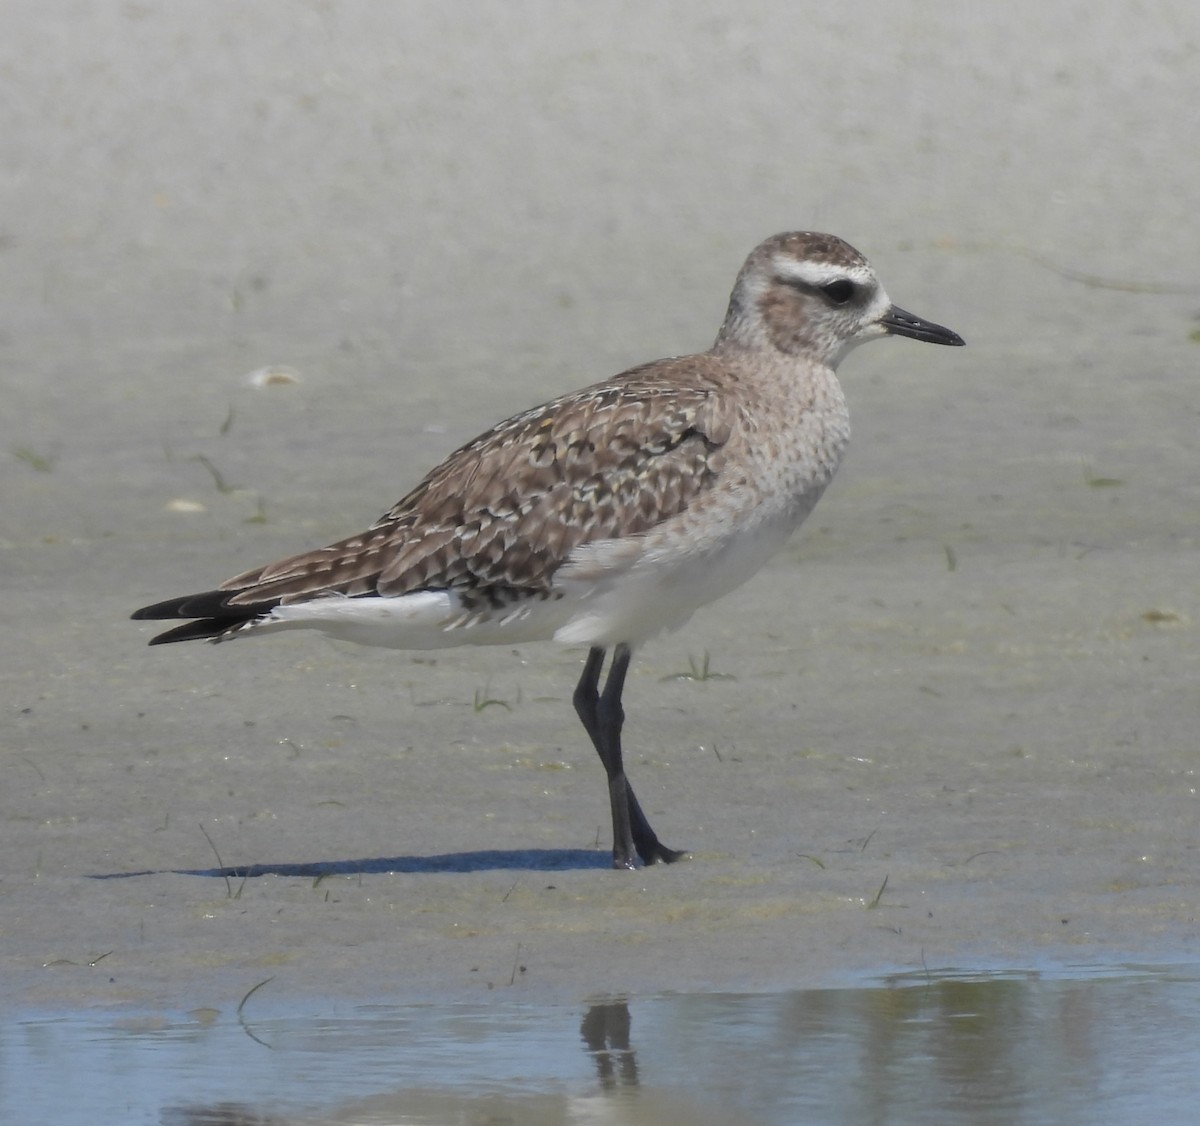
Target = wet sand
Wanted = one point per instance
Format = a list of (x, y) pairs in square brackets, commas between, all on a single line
[(953, 724)]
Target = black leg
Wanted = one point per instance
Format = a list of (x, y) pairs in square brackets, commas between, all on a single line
[(602, 717)]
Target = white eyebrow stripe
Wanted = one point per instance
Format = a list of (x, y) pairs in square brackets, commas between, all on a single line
[(819, 273)]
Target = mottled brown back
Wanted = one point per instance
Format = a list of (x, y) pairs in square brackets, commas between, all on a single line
[(501, 514)]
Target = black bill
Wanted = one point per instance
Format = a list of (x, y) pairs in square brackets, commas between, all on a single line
[(900, 323)]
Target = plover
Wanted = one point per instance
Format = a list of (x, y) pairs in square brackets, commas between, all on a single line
[(606, 516)]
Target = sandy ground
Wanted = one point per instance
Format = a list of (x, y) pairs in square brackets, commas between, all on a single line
[(954, 723)]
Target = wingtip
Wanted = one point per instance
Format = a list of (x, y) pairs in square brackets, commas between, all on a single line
[(209, 617), (159, 611), (203, 629)]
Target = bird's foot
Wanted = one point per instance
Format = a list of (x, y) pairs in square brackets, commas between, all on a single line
[(658, 853), (653, 852)]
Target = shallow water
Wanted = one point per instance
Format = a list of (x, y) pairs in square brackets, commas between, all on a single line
[(1013, 1047)]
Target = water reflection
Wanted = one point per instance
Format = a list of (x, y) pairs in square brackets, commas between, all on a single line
[(1017, 1048), (605, 1031), (222, 1114)]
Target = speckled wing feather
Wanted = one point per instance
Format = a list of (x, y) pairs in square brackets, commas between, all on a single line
[(500, 515)]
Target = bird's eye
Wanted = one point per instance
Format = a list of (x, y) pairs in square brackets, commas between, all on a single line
[(839, 292)]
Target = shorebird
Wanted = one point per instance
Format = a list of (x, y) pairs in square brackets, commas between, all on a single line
[(606, 516)]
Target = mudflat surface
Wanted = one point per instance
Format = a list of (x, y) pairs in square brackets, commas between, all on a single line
[(953, 724)]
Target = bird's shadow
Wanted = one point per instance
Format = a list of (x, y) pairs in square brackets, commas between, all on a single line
[(484, 860)]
